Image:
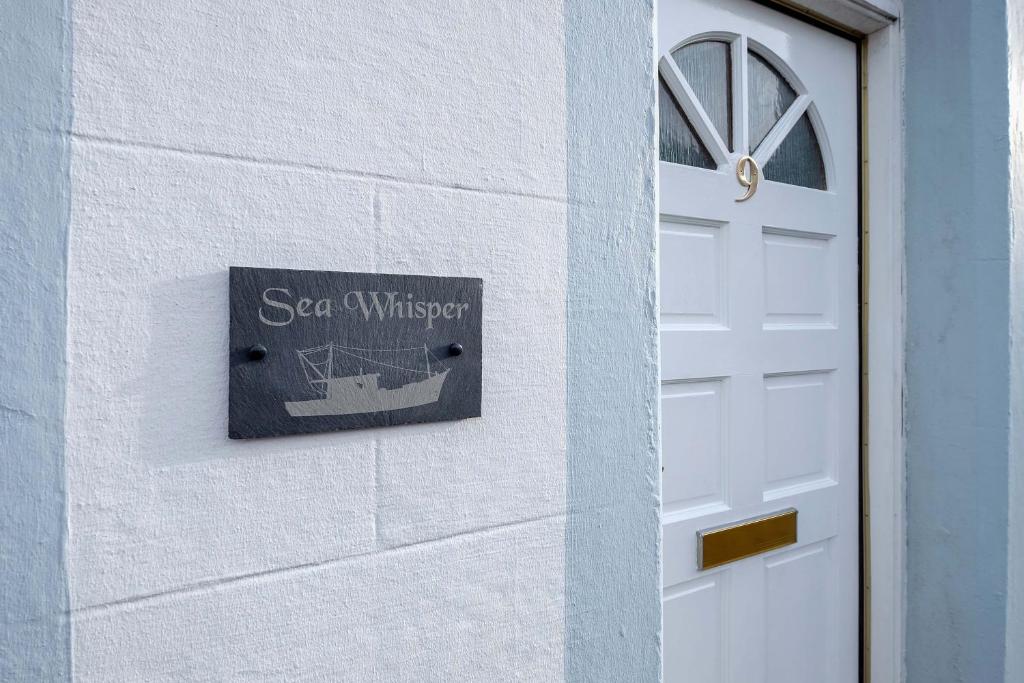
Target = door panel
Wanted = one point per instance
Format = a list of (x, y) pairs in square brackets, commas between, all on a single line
[(759, 343)]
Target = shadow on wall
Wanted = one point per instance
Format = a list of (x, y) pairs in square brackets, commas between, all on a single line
[(181, 381)]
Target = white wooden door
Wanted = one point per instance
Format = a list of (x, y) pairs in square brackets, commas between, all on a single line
[(759, 335)]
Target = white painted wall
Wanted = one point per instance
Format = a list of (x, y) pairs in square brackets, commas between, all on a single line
[(404, 137)]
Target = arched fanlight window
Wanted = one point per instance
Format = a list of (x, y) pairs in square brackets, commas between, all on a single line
[(700, 82)]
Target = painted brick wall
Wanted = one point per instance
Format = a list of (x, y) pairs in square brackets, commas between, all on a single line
[(406, 137)]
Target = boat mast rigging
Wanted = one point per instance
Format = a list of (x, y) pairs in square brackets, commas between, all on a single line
[(318, 363)]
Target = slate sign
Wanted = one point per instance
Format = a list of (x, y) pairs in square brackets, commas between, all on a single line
[(319, 351)]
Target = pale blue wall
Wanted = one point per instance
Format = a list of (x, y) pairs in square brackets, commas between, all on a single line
[(34, 207), (958, 341), (613, 600)]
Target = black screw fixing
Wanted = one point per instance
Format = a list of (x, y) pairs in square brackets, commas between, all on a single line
[(455, 349), (257, 352)]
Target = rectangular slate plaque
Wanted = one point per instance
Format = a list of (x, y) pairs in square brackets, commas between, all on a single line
[(318, 351)]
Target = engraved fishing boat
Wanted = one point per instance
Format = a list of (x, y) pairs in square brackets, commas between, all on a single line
[(362, 392)]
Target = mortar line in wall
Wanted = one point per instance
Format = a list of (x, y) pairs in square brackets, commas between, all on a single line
[(267, 574), (377, 212), (377, 227), (309, 167), (376, 493), (377, 224)]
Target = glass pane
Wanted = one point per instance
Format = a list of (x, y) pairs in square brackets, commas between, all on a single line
[(798, 161), (678, 142), (708, 69), (770, 97)]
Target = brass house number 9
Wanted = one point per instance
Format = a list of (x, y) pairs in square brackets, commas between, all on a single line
[(747, 173)]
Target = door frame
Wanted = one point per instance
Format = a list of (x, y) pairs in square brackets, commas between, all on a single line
[(875, 26), (883, 305)]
